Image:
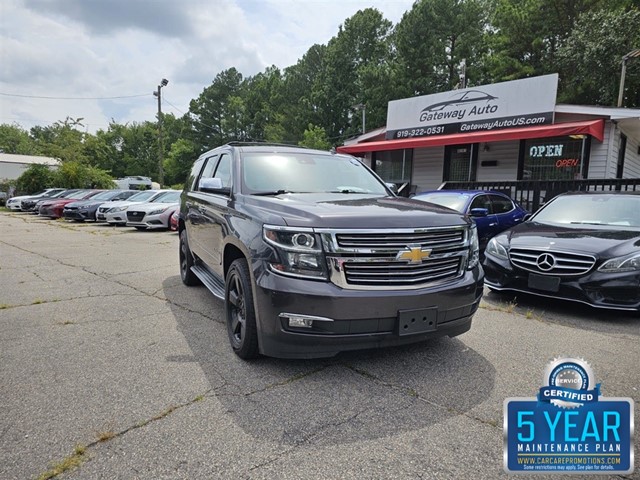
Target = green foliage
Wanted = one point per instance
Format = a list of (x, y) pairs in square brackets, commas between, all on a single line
[(78, 175), (590, 59), (35, 178), (315, 137), (15, 140), (179, 161)]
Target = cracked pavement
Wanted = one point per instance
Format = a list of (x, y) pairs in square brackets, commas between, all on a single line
[(102, 346)]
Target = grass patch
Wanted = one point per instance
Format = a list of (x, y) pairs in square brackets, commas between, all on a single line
[(4, 305), (105, 436), (68, 463), (37, 301)]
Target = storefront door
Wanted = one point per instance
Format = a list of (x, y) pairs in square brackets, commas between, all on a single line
[(460, 163)]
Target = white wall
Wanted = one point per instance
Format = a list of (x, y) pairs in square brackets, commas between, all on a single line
[(427, 168), (506, 154), (631, 158), (600, 151)]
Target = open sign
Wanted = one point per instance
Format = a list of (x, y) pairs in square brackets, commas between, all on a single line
[(567, 162)]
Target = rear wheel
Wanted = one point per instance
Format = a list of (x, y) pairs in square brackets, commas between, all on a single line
[(186, 262), (241, 318)]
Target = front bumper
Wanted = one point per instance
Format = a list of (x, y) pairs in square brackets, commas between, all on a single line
[(360, 318), (77, 215), (51, 212), (148, 221), (620, 291)]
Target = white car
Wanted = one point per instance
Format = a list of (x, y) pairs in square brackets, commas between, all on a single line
[(114, 212), (155, 214), (15, 203)]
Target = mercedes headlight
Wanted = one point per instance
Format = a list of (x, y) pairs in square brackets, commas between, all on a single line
[(496, 249), (628, 263), (299, 251), (474, 247)]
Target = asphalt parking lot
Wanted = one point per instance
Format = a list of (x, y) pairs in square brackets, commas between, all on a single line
[(111, 368)]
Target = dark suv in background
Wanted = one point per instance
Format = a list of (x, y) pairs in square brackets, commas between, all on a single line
[(313, 254)]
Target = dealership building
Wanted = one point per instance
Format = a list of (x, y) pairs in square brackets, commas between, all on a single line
[(510, 137)]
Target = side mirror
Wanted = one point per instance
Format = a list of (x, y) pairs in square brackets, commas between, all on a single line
[(213, 185), (527, 217), (479, 212), (393, 187)]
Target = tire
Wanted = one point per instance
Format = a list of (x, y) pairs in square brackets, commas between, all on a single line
[(241, 317), (186, 262), (141, 228)]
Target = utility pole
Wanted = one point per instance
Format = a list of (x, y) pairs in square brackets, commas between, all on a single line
[(363, 107), (158, 93)]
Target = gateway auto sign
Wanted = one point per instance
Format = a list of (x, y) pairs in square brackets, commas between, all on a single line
[(519, 103)]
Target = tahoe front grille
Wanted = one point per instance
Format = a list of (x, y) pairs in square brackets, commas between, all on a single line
[(426, 239), (398, 259), (551, 262), (398, 274)]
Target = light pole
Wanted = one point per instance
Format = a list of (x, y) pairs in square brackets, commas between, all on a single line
[(632, 54), (363, 107), (158, 93)]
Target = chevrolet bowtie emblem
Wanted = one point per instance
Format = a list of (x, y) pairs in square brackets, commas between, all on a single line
[(413, 255)]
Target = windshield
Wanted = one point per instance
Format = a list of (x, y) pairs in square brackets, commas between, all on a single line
[(272, 173), (456, 201), (167, 197), (108, 195), (609, 210), (142, 196), (79, 194)]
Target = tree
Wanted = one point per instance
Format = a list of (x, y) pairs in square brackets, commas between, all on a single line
[(14, 139), (358, 54), (36, 177), (315, 137), (590, 58), (73, 174), (433, 38), (179, 161)]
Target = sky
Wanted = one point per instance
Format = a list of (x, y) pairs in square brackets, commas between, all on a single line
[(84, 53)]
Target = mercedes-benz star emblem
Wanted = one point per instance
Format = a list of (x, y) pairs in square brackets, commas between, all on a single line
[(546, 262)]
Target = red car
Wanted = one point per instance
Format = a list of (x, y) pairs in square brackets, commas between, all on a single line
[(54, 207), (173, 221)]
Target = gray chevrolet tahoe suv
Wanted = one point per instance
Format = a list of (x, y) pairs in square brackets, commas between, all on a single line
[(313, 254)]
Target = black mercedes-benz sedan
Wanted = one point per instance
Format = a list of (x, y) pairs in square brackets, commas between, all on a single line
[(582, 246)]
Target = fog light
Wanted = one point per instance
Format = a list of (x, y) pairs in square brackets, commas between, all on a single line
[(300, 322)]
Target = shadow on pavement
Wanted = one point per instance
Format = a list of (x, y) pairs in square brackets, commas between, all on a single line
[(352, 397)]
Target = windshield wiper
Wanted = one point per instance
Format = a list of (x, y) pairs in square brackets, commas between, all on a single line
[(346, 190), (587, 223), (273, 192)]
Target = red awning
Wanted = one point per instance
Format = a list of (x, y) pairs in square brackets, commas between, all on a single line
[(595, 128)]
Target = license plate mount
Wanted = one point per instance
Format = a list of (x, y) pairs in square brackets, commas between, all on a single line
[(423, 320), (546, 283)]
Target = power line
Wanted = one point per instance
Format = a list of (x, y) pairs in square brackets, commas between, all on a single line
[(72, 98)]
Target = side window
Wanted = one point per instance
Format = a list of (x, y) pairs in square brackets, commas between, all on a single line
[(500, 204), (207, 171), (481, 201), (195, 170), (223, 172)]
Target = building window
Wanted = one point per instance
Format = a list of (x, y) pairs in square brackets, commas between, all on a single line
[(621, 153), (556, 158), (460, 163), (394, 166)]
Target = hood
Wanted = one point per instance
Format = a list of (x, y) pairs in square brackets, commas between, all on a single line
[(150, 207), (335, 210), (589, 239), (118, 203)]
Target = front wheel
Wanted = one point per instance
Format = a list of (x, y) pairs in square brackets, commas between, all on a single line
[(186, 262), (241, 318)]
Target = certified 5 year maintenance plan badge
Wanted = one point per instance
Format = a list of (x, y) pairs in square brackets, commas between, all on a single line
[(570, 427)]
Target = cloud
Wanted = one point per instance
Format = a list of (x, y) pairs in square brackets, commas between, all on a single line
[(107, 48), (164, 18)]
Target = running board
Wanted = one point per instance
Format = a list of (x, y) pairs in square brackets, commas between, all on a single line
[(211, 281)]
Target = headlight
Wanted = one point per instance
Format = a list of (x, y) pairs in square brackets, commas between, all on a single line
[(629, 263), (158, 211), (474, 248), (299, 251), (117, 209), (496, 249)]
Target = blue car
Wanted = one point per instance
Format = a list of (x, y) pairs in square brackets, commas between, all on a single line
[(493, 212)]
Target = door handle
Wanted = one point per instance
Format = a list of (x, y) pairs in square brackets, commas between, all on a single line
[(493, 224)]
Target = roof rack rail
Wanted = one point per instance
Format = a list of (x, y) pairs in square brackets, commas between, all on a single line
[(262, 143)]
